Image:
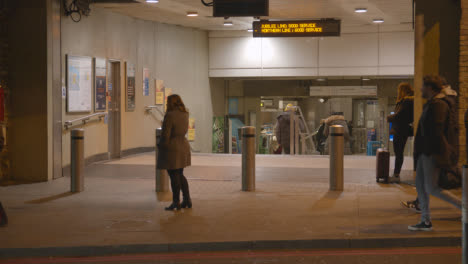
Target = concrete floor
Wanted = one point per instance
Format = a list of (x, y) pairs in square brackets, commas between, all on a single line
[(292, 202)]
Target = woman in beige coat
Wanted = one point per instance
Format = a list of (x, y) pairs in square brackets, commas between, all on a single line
[(174, 151)]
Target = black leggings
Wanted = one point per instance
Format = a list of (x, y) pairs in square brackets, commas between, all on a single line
[(399, 142), (178, 182)]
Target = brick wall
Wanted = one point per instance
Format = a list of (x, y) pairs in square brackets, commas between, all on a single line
[(4, 158)]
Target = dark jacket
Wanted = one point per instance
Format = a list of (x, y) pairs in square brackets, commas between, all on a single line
[(402, 119), (283, 128), (174, 149), (434, 136)]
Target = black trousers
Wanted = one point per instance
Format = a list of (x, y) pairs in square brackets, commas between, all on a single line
[(399, 142), (178, 182)]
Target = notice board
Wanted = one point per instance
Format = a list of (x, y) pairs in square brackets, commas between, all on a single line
[(100, 89), (79, 83), (130, 87)]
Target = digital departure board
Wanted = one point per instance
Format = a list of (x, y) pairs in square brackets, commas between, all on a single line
[(293, 28)]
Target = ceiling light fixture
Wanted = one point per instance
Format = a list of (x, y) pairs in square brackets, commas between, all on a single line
[(365, 79), (249, 30), (192, 14), (378, 21), (360, 10), (228, 23), (321, 79), (152, 1)]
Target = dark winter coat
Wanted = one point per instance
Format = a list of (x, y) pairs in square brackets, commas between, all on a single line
[(174, 149), (435, 136), (283, 129), (402, 119)]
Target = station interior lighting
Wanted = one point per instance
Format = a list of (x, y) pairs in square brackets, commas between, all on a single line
[(192, 14), (152, 1), (249, 30), (365, 79), (322, 100), (378, 21), (228, 23), (321, 79), (360, 10)]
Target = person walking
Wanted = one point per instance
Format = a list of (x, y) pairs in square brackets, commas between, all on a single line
[(336, 118), (402, 125), (434, 150), (174, 151)]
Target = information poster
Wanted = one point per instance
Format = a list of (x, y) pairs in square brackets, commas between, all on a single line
[(130, 92), (191, 129), (159, 94), (79, 83), (146, 77), (100, 85), (167, 93), (218, 135)]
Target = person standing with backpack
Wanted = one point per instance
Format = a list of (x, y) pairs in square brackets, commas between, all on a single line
[(433, 149)]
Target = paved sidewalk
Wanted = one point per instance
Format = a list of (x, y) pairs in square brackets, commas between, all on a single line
[(292, 208)]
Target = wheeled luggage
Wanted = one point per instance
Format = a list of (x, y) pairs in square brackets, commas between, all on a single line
[(383, 165)]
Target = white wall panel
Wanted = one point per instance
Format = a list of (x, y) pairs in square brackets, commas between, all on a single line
[(349, 50), (235, 53), (235, 72), (353, 54), (394, 70), (289, 72), (289, 52), (396, 49), (348, 71)]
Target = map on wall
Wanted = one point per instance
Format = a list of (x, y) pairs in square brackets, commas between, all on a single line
[(79, 83), (130, 92)]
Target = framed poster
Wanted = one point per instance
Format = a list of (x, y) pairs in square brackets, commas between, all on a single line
[(100, 84), (167, 93), (146, 77), (191, 129), (79, 83), (130, 87), (159, 93)]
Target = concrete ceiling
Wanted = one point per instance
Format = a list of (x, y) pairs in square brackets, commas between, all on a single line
[(394, 12)]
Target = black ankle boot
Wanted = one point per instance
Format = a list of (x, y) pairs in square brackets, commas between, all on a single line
[(186, 204), (173, 206)]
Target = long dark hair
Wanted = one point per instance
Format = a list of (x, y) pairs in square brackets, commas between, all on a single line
[(174, 102), (404, 90)]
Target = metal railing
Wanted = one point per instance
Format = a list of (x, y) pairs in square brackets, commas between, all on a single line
[(84, 119), (151, 107)]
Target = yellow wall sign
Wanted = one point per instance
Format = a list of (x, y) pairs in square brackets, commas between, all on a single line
[(304, 28)]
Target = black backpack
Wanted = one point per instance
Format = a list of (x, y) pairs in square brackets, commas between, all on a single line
[(3, 216), (451, 178)]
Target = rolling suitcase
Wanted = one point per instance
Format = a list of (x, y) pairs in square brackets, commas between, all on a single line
[(383, 165)]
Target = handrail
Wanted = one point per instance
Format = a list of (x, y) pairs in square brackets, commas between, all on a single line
[(151, 107), (84, 119)]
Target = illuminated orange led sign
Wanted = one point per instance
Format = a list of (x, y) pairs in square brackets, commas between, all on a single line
[(305, 28)]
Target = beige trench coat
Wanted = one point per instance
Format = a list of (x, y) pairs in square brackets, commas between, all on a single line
[(174, 149)]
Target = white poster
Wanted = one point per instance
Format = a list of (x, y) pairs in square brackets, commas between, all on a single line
[(79, 84)]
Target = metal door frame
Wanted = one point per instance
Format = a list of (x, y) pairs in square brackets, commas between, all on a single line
[(114, 109)]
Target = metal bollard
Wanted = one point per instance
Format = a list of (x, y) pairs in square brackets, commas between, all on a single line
[(336, 158), (77, 160), (248, 158), (162, 180)]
